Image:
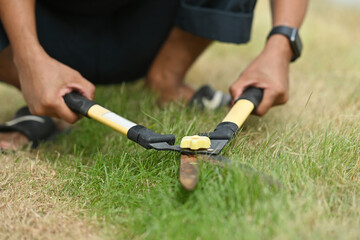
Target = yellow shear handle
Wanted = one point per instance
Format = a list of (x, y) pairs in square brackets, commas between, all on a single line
[(110, 119), (81, 105), (246, 103), (240, 112)]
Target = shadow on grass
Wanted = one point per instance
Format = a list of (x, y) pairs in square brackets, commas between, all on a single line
[(184, 195)]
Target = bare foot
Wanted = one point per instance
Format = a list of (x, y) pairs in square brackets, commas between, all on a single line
[(12, 141)]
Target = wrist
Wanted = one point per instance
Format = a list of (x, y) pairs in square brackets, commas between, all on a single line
[(279, 46), (27, 55)]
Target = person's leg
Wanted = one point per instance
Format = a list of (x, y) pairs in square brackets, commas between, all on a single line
[(8, 74), (166, 75)]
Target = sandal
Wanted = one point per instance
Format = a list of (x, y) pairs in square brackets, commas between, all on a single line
[(208, 98), (35, 128)]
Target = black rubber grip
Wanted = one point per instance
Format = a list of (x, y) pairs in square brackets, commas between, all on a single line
[(225, 131), (145, 136), (252, 94), (78, 103)]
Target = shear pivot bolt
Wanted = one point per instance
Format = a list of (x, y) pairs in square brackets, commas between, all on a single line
[(195, 142)]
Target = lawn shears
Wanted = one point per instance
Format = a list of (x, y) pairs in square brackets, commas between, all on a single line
[(148, 139)]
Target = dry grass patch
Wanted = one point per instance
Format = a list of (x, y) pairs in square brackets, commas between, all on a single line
[(11, 100), (31, 203)]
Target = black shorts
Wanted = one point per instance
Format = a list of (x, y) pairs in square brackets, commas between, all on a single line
[(120, 45)]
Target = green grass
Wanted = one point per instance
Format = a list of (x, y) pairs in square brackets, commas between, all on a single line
[(311, 146), (138, 194), (137, 190)]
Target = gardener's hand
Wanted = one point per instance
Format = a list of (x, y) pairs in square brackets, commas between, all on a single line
[(269, 71), (44, 81)]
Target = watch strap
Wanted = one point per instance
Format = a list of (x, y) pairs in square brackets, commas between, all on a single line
[(293, 36)]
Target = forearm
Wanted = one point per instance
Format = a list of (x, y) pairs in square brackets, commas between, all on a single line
[(288, 13), (18, 19)]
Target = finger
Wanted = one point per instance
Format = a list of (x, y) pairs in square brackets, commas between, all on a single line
[(88, 90), (64, 112), (56, 109), (266, 103), (84, 87), (237, 89), (79, 84)]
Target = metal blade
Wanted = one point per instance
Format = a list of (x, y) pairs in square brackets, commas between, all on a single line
[(214, 159), (215, 148), (189, 171), (189, 168)]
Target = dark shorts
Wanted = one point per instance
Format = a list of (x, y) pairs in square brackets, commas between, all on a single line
[(120, 45)]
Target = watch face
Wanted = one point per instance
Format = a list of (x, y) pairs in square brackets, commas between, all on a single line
[(296, 44)]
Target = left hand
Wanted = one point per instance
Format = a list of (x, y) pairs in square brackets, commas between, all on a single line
[(269, 71)]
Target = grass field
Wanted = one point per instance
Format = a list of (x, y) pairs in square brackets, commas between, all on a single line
[(95, 184)]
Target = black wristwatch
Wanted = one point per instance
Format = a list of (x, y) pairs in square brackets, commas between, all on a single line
[(293, 35)]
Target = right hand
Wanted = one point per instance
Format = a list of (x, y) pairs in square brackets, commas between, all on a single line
[(44, 81), (270, 72)]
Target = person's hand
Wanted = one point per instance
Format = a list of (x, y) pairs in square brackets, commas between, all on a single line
[(44, 81), (269, 71)]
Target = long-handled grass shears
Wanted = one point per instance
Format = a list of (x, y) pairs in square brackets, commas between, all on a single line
[(222, 134)]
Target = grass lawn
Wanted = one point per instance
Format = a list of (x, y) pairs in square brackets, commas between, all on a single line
[(95, 184)]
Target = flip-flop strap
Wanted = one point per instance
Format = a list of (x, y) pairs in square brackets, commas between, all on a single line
[(35, 128), (208, 98)]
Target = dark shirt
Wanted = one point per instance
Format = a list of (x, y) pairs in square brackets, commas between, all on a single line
[(85, 6), (234, 6), (222, 20), (104, 6)]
